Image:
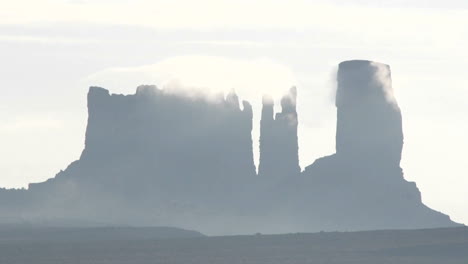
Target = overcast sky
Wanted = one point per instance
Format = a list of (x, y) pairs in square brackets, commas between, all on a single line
[(52, 50)]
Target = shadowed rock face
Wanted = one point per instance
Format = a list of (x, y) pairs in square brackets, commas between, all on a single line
[(368, 118), (155, 158), (188, 140), (362, 184), (278, 138)]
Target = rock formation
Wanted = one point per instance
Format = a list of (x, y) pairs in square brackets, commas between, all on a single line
[(159, 158), (362, 185), (152, 157), (369, 125), (278, 138)]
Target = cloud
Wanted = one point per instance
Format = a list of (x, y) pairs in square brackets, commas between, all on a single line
[(207, 75), (383, 77), (19, 124), (224, 14), (45, 39)]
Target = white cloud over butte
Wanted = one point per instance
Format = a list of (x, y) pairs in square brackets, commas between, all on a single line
[(207, 75)]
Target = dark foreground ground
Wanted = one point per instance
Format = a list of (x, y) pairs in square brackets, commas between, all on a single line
[(412, 246)]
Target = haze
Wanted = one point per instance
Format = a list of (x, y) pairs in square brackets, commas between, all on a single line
[(53, 50)]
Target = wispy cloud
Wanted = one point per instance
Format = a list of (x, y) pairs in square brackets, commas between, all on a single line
[(210, 74), (45, 39), (210, 14), (23, 123)]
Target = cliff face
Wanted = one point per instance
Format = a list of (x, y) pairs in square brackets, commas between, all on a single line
[(362, 184), (156, 158), (369, 125), (152, 157), (185, 139), (278, 138)]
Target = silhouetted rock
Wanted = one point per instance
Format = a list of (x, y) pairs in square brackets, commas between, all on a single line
[(153, 158), (362, 185), (159, 158), (278, 138), (368, 118)]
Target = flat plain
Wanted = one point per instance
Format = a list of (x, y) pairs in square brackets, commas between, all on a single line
[(448, 245)]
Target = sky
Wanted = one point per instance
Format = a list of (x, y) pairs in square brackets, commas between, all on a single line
[(51, 51)]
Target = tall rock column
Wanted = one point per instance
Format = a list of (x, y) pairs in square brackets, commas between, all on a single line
[(278, 138), (362, 185), (369, 125)]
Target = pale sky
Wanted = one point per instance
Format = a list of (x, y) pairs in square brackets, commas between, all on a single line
[(52, 50)]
